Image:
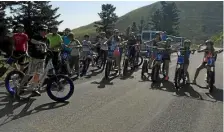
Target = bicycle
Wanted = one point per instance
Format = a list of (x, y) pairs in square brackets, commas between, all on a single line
[(179, 71), (146, 64), (37, 81), (110, 64), (131, 61), (156, 68), (11, 63), (64, 67), (210, 67)]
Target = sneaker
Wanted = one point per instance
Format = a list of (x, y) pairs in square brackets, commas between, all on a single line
[(206, 77), (36, 93)]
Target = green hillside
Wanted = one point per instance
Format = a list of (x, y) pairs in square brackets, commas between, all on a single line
[(199, 20)]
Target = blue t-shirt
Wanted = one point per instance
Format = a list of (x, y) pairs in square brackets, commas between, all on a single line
[(66, 42)]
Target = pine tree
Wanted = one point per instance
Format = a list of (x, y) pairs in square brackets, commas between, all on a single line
[(127, 31), (170, 17), (4, 20), (34, 13), (108, 19), (156, 20), (141, 25), (134, 28), (166, 18)]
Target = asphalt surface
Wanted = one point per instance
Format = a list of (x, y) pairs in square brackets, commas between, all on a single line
[(122, 105)]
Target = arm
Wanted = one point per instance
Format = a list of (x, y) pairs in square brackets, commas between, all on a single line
[(202, 50), (79, 45), (26, 46)]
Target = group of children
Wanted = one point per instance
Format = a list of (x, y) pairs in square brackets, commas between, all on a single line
[(185, 50)]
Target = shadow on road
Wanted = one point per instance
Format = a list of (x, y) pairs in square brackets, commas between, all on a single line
[(105, 82), (95, 72), (163, 85), (11, 105), (217, 94), (190, 90)]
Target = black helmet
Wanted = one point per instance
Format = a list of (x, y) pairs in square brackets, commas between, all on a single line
[(209, 42), (55, 27), (68, 29), (20, 25), (43, 27), (86, 35)]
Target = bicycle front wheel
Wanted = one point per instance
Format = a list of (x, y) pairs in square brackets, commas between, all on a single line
[(60, 83)]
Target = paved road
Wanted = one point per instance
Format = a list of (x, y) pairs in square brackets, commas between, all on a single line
[(129, 105)]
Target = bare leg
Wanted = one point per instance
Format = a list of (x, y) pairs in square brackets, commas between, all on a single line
[(202, 66)]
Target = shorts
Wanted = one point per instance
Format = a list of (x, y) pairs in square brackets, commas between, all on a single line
[(36, 65), (19, 54)]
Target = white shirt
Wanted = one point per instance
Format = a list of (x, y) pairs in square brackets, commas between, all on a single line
[(75, 51), (86, 45), (102, 45)]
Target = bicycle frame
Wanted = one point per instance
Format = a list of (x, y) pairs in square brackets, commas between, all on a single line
[(41, 77)]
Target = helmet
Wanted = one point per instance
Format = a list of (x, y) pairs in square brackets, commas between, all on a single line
[(71, 34), (20, 25), (116, 31), (157, 33), (43, 27), (55, 27), (187, 41), (102, 33), (209, 42), (68, 29), (168, 39), (86, 35)]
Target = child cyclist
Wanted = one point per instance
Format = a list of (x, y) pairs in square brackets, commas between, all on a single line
[(166, 57), (186, 51), (209, 49)]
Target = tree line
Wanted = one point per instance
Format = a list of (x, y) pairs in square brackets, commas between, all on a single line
[(166, 18), (29, 13)]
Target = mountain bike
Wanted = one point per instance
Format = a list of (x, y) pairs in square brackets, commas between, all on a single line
[(11, 63), (158, 54), (146, 64), (132, 61), (110, 64), (180, 75), (210, 67), (36, 70)]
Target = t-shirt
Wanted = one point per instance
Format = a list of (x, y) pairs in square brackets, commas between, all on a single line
[(73, 46), (35, 50), (66, 41), (21, 40), (114, 42), (86, 45), (55, 41), (102, 45)]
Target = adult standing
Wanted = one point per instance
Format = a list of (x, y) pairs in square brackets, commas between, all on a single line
[(114, 42), (55, 44), (21, 44), (103, 47), (74, 47)]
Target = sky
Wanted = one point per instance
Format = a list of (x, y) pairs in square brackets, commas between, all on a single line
[(81, 13)]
